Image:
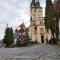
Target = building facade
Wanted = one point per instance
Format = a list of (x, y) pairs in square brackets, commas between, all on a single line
[(20, 34), (37, 27)]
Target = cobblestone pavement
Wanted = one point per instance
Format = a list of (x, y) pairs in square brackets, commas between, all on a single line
[(38, 52)]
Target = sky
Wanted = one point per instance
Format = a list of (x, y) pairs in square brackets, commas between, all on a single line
[(15, 12)]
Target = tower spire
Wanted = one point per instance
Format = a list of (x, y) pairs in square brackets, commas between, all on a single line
[(37, 2), (33, 1)]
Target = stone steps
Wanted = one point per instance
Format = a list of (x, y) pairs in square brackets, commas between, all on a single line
[(26, 56), (22, 57)]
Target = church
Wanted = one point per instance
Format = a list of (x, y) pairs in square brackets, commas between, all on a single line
[(37, 27), (36, 30)]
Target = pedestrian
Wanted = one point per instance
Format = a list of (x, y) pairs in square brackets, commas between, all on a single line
[(47, 40)]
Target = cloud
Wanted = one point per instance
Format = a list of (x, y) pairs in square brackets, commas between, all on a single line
[(13, 13)]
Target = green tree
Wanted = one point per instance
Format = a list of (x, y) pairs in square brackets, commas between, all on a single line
[(27, 39), (50, 23), (18, 43), (48, 14), (8, 39)]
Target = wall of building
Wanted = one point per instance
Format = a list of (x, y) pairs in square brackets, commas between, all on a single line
[(37, 20)]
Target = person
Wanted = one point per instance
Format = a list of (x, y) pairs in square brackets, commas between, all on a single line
[(47, 41)]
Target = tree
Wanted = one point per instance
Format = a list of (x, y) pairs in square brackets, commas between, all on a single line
[(18, 43), (48, 14), (8, 38), (57, 15), (11, 36), (4, 41), (49, 17), (27, 39)]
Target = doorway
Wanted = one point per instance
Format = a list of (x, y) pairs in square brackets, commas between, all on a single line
[(42, 38)]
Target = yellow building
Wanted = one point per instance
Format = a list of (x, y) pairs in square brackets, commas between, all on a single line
[(37, 27)]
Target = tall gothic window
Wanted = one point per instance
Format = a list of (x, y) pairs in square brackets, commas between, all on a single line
[(41, 30)]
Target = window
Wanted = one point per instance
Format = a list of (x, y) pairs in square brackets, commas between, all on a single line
[(41, 30), (41, 22), (35, 29)]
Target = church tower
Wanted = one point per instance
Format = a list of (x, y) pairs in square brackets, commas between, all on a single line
[(37, 27)]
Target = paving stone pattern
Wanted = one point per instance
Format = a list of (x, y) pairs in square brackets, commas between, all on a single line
[(38, 52)]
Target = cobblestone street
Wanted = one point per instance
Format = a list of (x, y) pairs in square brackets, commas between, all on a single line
[(38, 52)]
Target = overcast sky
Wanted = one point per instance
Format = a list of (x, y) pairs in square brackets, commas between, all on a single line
[(15, 12)]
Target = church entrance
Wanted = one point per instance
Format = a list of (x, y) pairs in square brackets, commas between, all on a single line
[(42, 39)]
